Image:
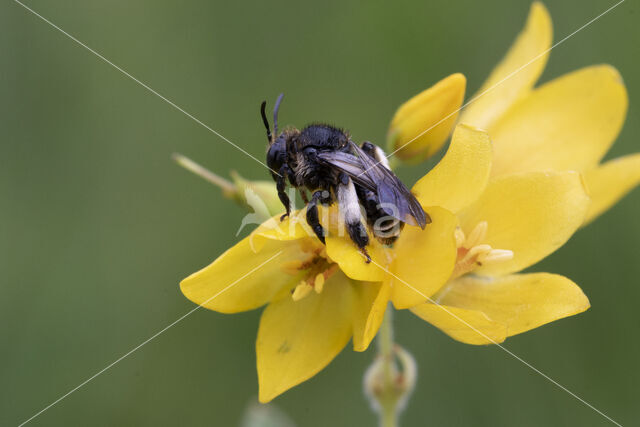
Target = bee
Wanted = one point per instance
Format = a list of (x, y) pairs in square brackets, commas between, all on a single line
[(325, 161)]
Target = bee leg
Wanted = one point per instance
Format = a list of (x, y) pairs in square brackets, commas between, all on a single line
[(280, 185), (312, 215), (350, 208), (364, 252), (358, 234)]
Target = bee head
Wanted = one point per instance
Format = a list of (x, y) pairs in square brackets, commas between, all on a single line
[(271, 136)]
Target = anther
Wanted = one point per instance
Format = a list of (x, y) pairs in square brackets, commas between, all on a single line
[(477, 235), (495, 255), (460, 237), (318, 283), (292, 267), (476, 251), (472, 252), (301, 291)]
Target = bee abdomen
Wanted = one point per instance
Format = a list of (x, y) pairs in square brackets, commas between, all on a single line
[(388, 231)]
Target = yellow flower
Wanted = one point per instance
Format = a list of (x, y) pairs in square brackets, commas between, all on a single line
[(568, 123), (490, 220), (506, 224), (529, 206), (317, 296), (313, 308)]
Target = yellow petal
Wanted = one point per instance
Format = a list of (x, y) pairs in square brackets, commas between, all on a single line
[(531, 214), (520, 301), (370, 303), (462, 174), (297, 339), (609, 182), (424, 259), (422, 124), (568, 123), (293, 227), (241, 279), (352, 262), (467, 326), (516, 74)]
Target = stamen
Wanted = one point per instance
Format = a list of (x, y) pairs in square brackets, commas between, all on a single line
[(313, 270), (318, 283), (301, 291), (473, 253), (477, 235), (291, 267), (495, 255), (460, 237)]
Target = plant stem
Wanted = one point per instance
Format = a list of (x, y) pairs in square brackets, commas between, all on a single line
[(389, 400), (388, 418), (205, 173)]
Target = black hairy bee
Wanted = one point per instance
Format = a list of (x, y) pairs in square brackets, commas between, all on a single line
[(324, 160)]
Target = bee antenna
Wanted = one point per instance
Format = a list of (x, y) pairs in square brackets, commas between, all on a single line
[(265, 121), (275, 113)]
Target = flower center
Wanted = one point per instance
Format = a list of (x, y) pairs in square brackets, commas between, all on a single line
[(472, 253), (314, 269)]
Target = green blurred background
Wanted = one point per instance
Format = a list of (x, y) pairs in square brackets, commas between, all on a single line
[(99, 225)]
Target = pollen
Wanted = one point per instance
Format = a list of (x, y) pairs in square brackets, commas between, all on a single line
[(472, 252), (313, 269)]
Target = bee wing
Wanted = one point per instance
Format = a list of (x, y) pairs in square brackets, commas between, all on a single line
[(391, 191), (349, 164)]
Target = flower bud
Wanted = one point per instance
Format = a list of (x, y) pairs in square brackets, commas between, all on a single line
[(390, 382), (422, 124), (260, 197)]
